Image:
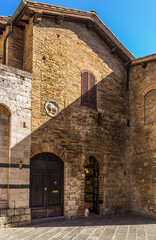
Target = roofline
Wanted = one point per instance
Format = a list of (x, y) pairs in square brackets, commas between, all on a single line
[(52, 10), (146, 59), (56, 6), (20, 8)]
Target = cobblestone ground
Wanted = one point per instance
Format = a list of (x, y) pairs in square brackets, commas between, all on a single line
[(119, 227)]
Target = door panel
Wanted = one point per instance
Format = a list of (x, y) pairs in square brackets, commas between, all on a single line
[(38, 213), (37, 186), (55, 189), (46, 193)]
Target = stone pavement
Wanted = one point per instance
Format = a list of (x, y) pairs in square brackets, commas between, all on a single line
[(118, 227)]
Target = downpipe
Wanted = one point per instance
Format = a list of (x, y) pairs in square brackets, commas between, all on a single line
[(4, 44)]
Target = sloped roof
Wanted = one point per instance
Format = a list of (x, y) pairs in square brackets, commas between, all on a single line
[(3, 23), (27, 9)]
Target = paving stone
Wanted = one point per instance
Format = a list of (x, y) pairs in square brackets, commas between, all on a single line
[(120, 227)]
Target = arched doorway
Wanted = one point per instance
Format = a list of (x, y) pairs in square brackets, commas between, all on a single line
[(92, 185), (46, 185)]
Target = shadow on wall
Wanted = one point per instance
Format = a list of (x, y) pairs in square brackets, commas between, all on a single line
[(82, 128), (79, 132), (143, 170)]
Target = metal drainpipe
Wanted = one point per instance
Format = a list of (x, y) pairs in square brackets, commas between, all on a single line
[(4, 44)]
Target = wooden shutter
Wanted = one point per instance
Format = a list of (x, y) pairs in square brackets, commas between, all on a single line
[(85, 88), (88, 91), (92, 92)]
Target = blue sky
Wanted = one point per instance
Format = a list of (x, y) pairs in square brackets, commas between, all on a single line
[(132, 21)]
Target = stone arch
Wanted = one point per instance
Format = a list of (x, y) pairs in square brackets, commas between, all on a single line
[(6, 106), (5, 128), (150, 107), (98, 157), (148, 89), (51, 148), (10, 105)]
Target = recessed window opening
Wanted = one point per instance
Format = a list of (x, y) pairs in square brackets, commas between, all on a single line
[(88, 89)]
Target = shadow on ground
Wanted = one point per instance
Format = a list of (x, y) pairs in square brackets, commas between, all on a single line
[(97, 220)]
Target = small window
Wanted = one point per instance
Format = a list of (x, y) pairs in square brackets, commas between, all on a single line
[(88, 89)]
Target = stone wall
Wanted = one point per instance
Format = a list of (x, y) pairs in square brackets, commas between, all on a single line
[(56, 55), (143, 138), (15, 95), (80, 132), (4, 153)]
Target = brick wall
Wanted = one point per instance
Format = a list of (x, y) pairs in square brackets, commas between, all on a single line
[(15, 48), (1, 43), (79, 131), (28, 47), (143, 138)]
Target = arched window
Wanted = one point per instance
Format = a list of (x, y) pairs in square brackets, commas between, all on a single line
[(88, 89)]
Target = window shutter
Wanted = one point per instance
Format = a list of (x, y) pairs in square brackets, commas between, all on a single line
[(92, 92), (88, 89), (85, 88)]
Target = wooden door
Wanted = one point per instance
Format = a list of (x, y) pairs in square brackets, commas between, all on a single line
[(46, 186)]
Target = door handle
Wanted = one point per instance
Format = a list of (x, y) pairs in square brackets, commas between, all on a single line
[(45, 189)]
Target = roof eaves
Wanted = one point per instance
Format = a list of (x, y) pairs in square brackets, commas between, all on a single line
[(18, 11), (146, 59), (49, 7), (99, 26), (121, 49), (114, 38)]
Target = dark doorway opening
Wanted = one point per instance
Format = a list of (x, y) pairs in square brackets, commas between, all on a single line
[(92, 185), (46, 186)]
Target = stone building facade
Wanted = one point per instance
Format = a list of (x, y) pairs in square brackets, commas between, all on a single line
[(58, 155)]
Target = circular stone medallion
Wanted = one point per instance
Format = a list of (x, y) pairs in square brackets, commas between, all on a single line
[(52, 108)]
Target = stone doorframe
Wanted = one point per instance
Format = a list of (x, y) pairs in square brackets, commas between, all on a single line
[(59, 152), (51, 148)]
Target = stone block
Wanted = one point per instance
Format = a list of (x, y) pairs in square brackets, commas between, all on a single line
[(25, 218), (27, 211), (10, 212), (19, 211), (3, 213)]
